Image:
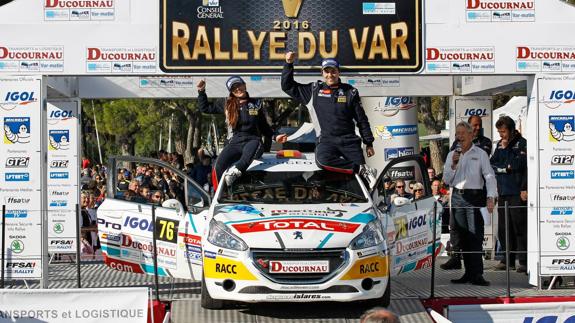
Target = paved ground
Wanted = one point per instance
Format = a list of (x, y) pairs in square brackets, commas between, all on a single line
[(407, 290)]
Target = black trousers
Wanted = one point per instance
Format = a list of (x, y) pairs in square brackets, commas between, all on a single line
[(239, 152), (339, 154), (469, 223), (517, 213)]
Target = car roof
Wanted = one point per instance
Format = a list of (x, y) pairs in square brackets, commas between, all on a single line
[(271, 163)]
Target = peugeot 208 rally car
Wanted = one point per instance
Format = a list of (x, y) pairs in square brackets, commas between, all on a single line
[(284, 231)]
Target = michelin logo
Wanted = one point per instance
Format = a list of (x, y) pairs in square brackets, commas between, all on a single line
[(561, 128), (59, 140), (16, 130)]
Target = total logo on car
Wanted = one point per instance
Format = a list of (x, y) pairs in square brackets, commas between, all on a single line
[(284, 231)]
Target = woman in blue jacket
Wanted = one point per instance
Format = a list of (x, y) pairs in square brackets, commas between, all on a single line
[(246, 121)]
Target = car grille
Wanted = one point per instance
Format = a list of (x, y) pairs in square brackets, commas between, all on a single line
[(337, 258)]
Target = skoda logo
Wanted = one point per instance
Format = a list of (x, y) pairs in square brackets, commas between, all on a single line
[(17, 246), (58, 228), (562, 243)]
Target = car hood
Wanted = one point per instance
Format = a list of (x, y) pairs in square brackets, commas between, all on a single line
[(296, 226)]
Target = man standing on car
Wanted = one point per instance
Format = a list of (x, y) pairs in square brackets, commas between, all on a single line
[(335, 108), (509, 162), (467, 172), (484, 143)]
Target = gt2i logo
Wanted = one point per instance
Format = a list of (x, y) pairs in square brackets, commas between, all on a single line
[(59, 140), (562, 159), (16, 130), (13, 99), (17, 162), (561, 128)]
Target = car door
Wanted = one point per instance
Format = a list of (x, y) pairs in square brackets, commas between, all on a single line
[(126, 227), (409, 220)]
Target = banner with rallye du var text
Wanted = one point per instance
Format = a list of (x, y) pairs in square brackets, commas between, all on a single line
[(218, 36), (556, 115), (20, 175), (63, 163)]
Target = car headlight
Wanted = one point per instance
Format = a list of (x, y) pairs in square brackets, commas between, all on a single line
[(372, 235), (221, 236)]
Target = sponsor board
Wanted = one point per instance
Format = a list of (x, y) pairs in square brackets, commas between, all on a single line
[(32, 59), (16, 130), (376, 266), (166, 82), (561, 211), (411, 244), (69, 10), (58, 140), (499, 10), (380, 82), (405, 173), (119, 60), (391, 153), (394, 104), (389, 41), (224, 268), (565, 160), (17, 177), (17, 162), (298, 267), (561, 128), (460, 60), (296, 224), (545, 59), (562, 174), (389, 132)]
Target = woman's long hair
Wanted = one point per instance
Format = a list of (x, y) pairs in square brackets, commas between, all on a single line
[(232, 110)]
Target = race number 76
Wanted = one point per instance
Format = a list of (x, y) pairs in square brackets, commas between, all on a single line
[(167, 229)]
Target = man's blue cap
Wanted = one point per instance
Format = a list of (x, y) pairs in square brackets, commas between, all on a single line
[(329, 62), (234, 80)]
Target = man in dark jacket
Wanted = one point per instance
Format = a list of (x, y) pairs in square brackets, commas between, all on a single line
[(485, 144), (335, 109), (509, 161)]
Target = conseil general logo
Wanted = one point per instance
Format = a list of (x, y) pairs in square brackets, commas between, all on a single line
[(292, 7)]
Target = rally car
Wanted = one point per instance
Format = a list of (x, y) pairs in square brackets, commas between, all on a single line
[(284, 231)]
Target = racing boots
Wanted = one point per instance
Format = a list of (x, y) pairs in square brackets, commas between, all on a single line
[(369, 174), (231, 175)]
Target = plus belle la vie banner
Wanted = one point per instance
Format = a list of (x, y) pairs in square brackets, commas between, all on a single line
[(240, 36)]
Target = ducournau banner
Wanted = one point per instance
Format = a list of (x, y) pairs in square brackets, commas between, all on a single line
[(218, 36)]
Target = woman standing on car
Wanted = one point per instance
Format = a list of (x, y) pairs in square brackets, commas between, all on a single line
[(246, 121)]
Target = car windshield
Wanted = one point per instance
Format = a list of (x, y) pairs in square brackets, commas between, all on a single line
[(294, 188)]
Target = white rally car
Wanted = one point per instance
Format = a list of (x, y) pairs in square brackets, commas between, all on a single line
[(284, 231)]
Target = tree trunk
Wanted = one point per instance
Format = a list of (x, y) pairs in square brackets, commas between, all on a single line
[(188, 154), (197, 143), (432, 114)]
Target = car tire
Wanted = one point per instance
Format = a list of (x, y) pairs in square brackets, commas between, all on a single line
[(207, 301)]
